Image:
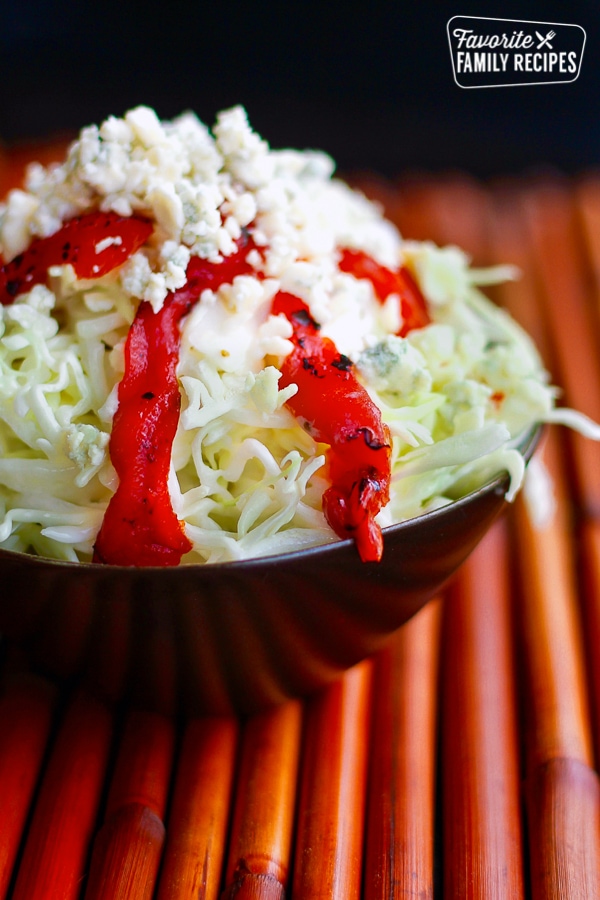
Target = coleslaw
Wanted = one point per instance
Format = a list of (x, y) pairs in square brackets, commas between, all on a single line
[(246, 475)]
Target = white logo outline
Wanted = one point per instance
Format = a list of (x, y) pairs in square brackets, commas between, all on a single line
[(470, 87)]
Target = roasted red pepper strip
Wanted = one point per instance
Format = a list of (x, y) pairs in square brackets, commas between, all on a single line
[(94, 244), (338, 411), (385, 281), (140, 527)]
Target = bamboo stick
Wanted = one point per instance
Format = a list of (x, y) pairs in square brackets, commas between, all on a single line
[(587, 199), (261, 835), (27, 707), (399, 856), (558, 253), (588, 203), (482, 834), (127, 849), (549, 619), (197, 824), (144, 761), (563, 800), (448, 210), (509, 244), (54, 857), (589, 567), (329, 844)]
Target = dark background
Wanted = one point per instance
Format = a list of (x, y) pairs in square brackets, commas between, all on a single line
[(371, 84)]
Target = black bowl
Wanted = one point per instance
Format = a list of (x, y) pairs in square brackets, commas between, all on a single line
[(239, 636)]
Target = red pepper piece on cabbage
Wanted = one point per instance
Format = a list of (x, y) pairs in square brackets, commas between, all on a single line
[(338, 411), (413, 307), (94, 244), (140, 527)]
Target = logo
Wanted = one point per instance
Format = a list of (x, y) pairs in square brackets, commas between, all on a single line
[(512, 52)]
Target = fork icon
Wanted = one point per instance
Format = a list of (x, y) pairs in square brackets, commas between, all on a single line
[(545, 41)]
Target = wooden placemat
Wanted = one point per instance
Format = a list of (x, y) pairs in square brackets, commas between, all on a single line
[(459, 762)]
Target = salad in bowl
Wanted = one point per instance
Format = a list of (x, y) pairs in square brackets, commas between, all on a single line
[(211, 351)]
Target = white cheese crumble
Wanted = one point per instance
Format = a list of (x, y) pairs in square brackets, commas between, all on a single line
[(114, 241)]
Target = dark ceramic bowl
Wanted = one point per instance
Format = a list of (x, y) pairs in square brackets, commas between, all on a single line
[(236, 636)]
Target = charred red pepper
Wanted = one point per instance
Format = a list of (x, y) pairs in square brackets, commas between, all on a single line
[(140, 527), (338, 411), (386, 281), (94, 244)]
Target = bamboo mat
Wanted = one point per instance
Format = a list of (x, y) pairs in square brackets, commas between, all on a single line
[(460, 762)]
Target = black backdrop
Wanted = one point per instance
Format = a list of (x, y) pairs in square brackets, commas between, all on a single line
[(371, 84)]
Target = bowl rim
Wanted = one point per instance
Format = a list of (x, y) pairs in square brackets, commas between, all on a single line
[(527, 442)]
